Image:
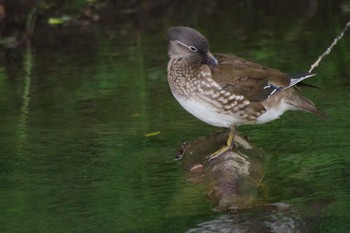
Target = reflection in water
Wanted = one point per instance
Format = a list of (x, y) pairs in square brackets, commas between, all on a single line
[(28, 63), (22, 125), (274, 219), (73, 153)]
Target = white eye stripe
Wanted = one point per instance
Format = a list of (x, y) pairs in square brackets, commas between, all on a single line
[(191, 47)]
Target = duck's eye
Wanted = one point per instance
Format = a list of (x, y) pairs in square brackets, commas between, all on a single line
[(193, 49)]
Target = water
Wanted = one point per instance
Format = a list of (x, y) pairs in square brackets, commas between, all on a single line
[(76, 104)]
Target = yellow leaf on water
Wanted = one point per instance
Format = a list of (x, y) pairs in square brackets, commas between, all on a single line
[(55, 21), (152, 134)]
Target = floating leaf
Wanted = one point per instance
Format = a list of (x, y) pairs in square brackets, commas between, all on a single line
[(55, 21), (59, 20), (152, 134)]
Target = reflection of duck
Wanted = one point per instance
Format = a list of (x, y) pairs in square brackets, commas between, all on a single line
[(225, 90)]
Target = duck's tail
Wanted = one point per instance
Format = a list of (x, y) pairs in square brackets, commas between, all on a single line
[(305, 104)]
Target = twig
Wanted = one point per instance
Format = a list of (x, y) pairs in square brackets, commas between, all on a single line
[(329, 49)]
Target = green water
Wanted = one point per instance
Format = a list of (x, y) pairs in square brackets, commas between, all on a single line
[(76, 104)]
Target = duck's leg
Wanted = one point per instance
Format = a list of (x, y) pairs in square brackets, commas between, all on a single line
[(229, 145)]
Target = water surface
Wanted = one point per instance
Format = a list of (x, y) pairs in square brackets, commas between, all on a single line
[(77, 102)]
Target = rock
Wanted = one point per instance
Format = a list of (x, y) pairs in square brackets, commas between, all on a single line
[(233, 178)]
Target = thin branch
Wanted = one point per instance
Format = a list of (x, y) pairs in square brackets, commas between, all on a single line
[(329, 49)]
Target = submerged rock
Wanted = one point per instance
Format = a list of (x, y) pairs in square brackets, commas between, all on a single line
[(232, 182), (232, 179)]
